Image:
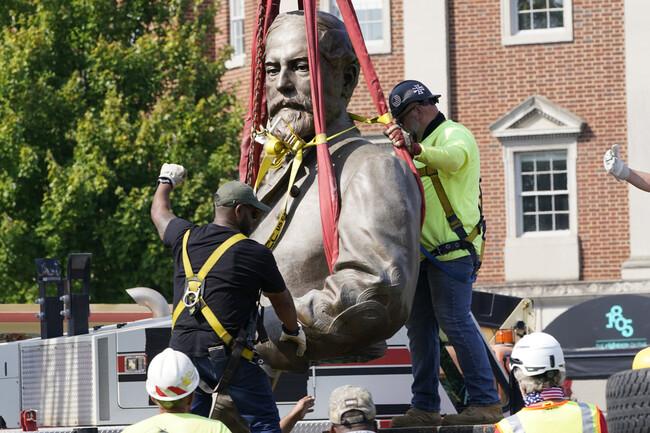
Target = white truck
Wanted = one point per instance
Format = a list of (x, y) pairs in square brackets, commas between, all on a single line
[(97, 379)]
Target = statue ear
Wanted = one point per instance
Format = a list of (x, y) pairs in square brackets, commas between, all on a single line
[(350, 79)]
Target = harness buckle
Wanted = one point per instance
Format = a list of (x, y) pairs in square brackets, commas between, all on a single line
[(191, 296), (454, 222)]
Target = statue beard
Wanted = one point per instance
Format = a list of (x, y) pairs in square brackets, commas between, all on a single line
[(297, 112)]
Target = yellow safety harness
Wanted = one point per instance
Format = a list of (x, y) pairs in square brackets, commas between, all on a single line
[(193, 296), (276, 149), (465, 240)]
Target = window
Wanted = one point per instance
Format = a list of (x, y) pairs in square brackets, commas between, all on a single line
[(543, 200), (540, 14), (374, 21), (536, 21), (540, 141), (237, 41)]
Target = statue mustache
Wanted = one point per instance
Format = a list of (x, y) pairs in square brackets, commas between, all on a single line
[(298, 104)]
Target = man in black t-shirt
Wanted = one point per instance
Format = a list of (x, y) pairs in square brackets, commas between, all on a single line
[(230, 290)]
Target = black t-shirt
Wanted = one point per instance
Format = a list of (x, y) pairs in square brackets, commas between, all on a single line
[(230, 288)]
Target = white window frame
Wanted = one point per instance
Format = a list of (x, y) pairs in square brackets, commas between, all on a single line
[(511, 35), (538, 125), (382, 46), (237, 60), (521, 194), (514, 213)]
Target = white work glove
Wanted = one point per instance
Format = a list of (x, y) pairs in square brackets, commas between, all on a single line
[(172, 174), (614, 165), (299, 339), (399, 138)]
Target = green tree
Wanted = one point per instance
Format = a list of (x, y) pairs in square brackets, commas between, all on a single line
[(95, 95)]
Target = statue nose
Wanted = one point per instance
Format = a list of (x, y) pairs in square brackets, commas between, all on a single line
[(285, 81)]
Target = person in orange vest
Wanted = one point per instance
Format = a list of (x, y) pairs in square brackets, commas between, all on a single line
[(615, 166), (537, 362)]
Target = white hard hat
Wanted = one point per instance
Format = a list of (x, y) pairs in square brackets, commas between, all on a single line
[(537, 353), (171, 376)]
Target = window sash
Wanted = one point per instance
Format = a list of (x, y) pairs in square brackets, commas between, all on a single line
[(237, 27), (539, 14), (370, 15), (543, 196)]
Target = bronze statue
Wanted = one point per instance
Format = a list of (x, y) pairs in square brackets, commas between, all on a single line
[(367, 297)]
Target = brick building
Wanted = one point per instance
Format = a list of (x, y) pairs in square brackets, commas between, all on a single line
[(546, 89)]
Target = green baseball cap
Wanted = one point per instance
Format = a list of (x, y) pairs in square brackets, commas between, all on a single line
[(235, 192)]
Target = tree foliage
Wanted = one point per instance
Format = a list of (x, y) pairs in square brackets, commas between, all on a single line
[(95, 95)]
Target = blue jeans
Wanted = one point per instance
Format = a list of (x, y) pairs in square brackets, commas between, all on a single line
[(250, 390), (442, 302)]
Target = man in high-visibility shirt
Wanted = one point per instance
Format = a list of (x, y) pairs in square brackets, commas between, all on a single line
[(537, 362), (449, 165)]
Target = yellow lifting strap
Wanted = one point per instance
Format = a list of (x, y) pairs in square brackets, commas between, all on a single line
[(454, 222), (194, 285), (278, 150)]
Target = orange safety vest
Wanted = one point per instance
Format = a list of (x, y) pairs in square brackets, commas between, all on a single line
[(566, 417)]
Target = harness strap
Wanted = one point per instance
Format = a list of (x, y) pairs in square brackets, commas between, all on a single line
[(238, 352), (456, 225), (195, 285), (212, 260)]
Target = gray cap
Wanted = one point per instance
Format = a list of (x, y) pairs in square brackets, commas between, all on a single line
[(235, 192), (346, 398)]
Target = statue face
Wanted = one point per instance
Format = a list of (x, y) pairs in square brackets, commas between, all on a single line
[(288, 88)]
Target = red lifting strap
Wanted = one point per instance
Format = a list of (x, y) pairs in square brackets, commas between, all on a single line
[(327, 188)]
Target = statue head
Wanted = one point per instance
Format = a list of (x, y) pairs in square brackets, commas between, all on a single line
[(286, 63)]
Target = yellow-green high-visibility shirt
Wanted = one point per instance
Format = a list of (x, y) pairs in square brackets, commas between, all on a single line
[(177, 423), (565, 417), (452, 150)]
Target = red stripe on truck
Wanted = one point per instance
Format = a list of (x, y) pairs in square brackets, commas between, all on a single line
[(392, 357)]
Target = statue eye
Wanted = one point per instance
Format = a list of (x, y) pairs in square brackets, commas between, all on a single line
[(272, 69)]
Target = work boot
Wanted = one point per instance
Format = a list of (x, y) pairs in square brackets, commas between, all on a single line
[(475, 415), (415, 417)]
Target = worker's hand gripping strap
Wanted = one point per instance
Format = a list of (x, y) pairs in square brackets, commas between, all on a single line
[(195, 286), (456, 225)]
